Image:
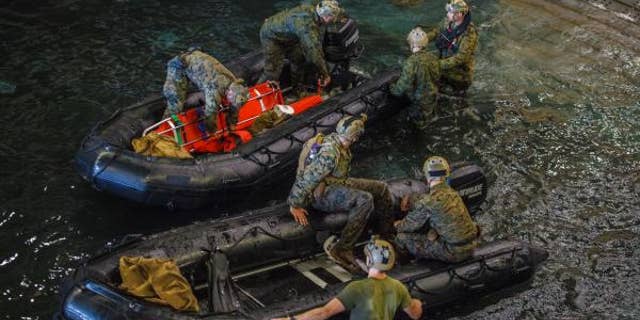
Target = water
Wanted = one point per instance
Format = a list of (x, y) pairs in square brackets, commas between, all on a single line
[(561, 149)]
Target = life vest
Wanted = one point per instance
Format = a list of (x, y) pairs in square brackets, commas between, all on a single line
[(447, 40)]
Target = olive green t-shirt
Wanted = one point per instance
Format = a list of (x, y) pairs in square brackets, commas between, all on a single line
[(374, 299)]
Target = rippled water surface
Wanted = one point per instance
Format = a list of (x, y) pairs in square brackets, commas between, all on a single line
[(553, 118)]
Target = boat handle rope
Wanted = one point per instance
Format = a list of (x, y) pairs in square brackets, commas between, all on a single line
[(254, 231), (270, 153), (368, 101), (453, 274), (232, 313)]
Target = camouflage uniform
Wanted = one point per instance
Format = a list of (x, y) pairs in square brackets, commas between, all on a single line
[(296, 33), (457, 60), (206, 73), (358, 197), (443, 211), (423, 74), (418, 81), (266, 120)]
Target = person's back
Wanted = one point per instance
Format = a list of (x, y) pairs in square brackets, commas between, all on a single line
[(418, 72), (214, 80), (376, 299), (294, 35), (438, 224), (450, 217), (203, 69), (290, 24)]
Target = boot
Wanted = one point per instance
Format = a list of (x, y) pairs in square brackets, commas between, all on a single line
[(341, 256), (344, 258)]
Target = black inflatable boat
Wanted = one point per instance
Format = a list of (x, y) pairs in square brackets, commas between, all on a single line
[(106, 160), (278, 267)]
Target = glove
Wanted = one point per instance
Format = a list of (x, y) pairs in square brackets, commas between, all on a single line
[(210, 123), (324, 80)]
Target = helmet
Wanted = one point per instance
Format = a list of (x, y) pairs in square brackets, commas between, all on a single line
[(328, 8), (457, 6), (237, 94), (435, 167), (417, 39), (351, 127), (380, 254)]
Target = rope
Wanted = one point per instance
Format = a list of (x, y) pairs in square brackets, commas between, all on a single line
[(453, 274), (365, 98), (254, 231)]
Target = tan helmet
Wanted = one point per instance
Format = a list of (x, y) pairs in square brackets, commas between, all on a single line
[(380, 254), (436, 167), (457, 6), (238, 94), (351, 127), (328, 8), (417, 39)]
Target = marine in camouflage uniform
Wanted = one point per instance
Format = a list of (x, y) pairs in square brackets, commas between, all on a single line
[(438, 226), (208, 75), (322, 183), (425, 74), (292, 33)]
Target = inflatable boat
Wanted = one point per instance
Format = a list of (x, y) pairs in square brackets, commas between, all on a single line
[(106, 159), (276, 267)]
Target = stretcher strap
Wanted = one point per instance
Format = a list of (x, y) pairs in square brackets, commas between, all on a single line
[(178, 132)]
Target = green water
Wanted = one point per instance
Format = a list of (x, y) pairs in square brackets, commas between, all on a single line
[(557, 86)]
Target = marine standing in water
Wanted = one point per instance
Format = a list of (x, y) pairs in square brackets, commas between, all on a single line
[(376, 297), (295, 34), (323, 183), (438, 225), (220, 86), (424, 74)]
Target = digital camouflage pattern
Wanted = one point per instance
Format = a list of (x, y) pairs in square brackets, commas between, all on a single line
[(357, 203), (294, 33), (382, 217), (418, 81), (205, 72), (443, 211), (333, 161), (423, 73), (266, 120), (330, 166), (457, 63)]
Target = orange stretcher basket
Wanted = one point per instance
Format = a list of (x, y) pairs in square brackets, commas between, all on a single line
[(188, 128)]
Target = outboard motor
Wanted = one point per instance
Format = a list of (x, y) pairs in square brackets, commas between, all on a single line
[(341, 45), (470, 182)]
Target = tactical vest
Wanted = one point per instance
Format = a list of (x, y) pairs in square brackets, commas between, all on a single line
[(447, 40), (310, 150)]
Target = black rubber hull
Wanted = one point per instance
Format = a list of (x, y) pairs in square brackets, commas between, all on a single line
[(268, 240), (106, 161)]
